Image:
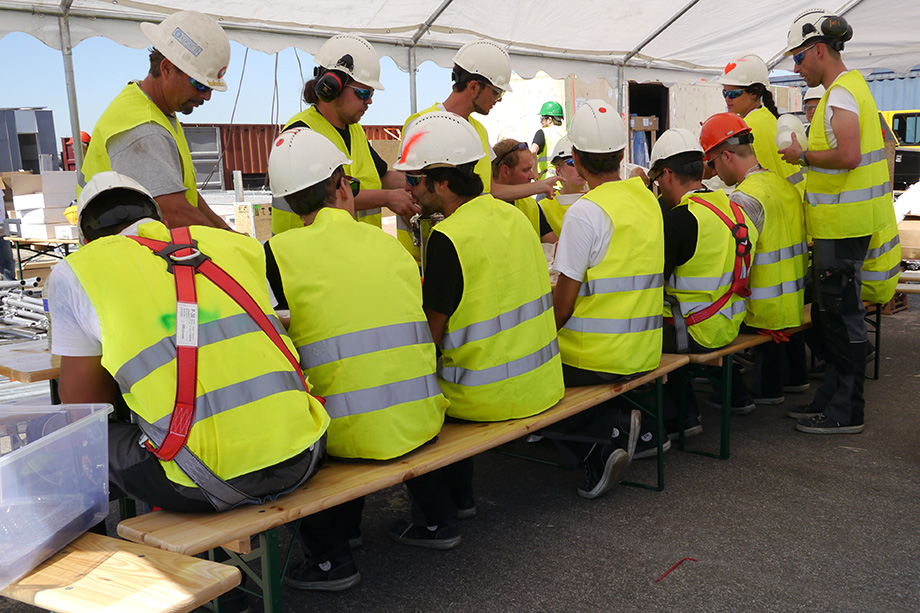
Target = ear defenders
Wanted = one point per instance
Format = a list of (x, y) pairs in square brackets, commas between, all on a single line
[(834, 28), (330, 82)]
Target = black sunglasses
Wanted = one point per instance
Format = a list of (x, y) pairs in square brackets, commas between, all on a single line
[(354, 183), (414, 179)]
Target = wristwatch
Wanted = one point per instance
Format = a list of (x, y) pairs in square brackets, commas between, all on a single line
[(802, 160)]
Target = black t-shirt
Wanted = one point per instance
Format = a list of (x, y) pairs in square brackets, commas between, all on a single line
[(379, 162), (680, 234), (539, 139), (274, 278), (443, 286), (545, 228)]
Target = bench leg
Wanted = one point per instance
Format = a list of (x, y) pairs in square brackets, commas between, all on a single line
[(658, 413), (725, 435), (269, 555), (686, 374)]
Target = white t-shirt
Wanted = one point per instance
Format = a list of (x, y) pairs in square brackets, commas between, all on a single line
[(839, 98), (586, 235)]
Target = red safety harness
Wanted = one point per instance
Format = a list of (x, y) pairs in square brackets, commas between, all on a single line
[(739, 284), (184, 261)]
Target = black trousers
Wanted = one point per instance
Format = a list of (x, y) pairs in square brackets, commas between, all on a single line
[(778, 364)]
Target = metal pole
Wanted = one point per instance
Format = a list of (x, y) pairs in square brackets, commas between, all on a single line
[(67, 53), (413, 85)]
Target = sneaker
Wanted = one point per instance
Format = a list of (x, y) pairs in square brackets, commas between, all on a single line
[(323, 577), (603, 473), (430, 537), (804, 411), (467, 513), (625, 434), (649, 448), (796, 389), (819, 424), (739, 407), (768, 400), (692, 427)]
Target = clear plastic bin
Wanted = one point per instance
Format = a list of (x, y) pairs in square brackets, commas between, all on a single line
[(54, 480)]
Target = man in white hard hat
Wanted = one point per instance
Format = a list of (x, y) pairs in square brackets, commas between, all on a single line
[(706, 262), (139, 135), (608, 300), (513, 165), (810, 101), (342, 88), (125, 337), (481, 76), (849, 212), (358, 325), (570, 184), (487, 299), (777, 276)]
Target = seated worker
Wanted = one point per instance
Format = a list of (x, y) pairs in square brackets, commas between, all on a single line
[(488, 302), (705, 265), (513, 165), (777, 276), (358, 325), (254, 430), (608, 300), (571, 185), (341, 90)]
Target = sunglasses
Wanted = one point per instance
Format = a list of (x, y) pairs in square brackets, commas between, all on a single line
[(798, 57), (517, 147), (569, 162), (362, 93), (414, 179), (497, 92), (354, 183), (199, 86), (731, 94)]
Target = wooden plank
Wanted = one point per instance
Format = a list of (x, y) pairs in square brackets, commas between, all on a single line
[(907, 288), (909, 276), (745, 341), (339, 482), (29, 362), (98, 573)]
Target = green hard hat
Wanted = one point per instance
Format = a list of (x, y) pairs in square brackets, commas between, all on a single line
[(551, 109)]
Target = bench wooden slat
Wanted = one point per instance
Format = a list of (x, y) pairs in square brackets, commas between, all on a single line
[(745, 341), (340, 482), (907, 288), (909, 275), (98, 573)]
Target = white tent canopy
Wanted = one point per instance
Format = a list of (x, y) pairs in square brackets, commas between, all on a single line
[(620, 40)]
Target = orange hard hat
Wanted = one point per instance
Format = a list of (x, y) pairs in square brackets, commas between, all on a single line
[(84, 137), (724, 127)]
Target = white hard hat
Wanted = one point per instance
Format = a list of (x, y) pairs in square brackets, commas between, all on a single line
[(563, 148), (103, 182), (438, 139), (195, 44), (487, 59), (364, 65), (597, 128), (786, 126), (301, 158), (816, 24), (814, 93), (672, 142), (745, 71)]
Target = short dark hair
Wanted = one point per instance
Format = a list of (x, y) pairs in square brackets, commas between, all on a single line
[(462, 77), (313, 198), (599, 163), (556, 120), (461, 180), (155, 58)]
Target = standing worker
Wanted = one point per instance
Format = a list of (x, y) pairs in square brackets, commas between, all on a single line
[(481, 76), (848, 203), (746, 89), (341, 90), (139, 136), (513, 165), (810, 101), (359, 328), (545, 139), (488, 302), (571, 185)]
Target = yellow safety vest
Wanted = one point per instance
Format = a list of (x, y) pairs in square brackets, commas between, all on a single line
[(849, 203), (763, 127), (707, 276), (780, 259), (554, 209), (362, 167), (551, 135), (499, 355), (616, 325), (132, 108), (882, 265), (362, 336), (531, 209), (483, 168), (252, 411)]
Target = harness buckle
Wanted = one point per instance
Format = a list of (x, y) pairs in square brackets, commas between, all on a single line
[(194, 258), (742, 240)]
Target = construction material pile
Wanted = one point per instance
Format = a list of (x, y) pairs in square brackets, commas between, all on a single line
[(22, 313)]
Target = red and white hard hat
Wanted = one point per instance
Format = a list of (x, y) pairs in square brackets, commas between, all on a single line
[(597, 128), (745, 71), (438, 139), (301, 158), (195, 44)]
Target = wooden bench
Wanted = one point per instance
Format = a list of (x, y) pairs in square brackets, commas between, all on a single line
[(338, 482), (96, 573)]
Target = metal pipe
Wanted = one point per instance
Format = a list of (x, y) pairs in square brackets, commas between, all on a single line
[(24, 305), (428, 22), (67, 54), (413, 85)]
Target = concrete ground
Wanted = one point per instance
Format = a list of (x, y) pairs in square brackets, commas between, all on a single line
[(792, 522)]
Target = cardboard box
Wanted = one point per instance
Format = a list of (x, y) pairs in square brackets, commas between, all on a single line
[(43, 215), (66, 232), (909, 229), (254, 220), (644, 124), (51, 189), (43, 231)]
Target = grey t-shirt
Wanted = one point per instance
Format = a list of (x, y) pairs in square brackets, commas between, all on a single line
[(148, 154)]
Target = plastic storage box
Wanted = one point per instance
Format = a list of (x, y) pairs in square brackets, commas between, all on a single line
[(54, 480)]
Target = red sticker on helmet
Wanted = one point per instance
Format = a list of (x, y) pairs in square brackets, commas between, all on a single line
[(730, 66), (279, 142), (221, 72), (603, 109)]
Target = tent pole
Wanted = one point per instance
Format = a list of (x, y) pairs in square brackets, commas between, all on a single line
[(413, 85), (67, 53), (658, 31)]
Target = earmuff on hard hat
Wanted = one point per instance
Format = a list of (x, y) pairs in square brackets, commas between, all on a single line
[(329, 83), (833, 27)]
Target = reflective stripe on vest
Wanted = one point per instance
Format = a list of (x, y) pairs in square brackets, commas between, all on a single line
[(882, 266), (775, 291), (505, 321), (382, 397), (779, 255), (361, 342), (614, 326), (621, 284), (500, 372)]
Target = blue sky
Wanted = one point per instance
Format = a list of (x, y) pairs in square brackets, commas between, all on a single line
[(33, 76)]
